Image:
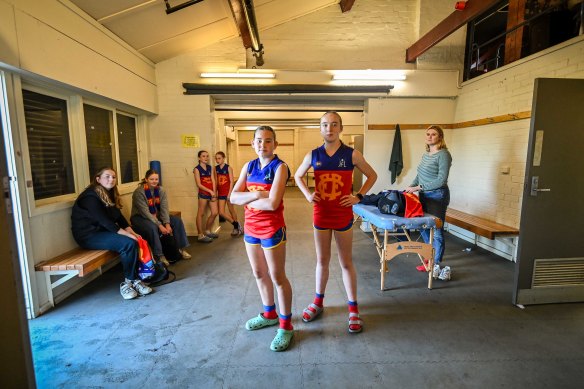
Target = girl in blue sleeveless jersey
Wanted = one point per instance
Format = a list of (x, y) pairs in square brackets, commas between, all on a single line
[(224, 179), (260, 188), (333, 165), (205, 180)]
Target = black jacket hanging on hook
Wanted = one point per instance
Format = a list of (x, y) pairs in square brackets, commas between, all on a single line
[(396, 162)]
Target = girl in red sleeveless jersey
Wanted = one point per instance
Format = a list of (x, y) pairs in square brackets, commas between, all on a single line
[(333, 165), (260, 188), (205, 180), (224, 179)]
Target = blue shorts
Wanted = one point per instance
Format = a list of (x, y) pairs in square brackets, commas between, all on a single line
[(222, 197), (346, 228), (269, 243), (205, 196)]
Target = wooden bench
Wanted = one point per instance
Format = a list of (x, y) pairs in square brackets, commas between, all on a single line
[(483, 227), (78, 262), (478, 225)]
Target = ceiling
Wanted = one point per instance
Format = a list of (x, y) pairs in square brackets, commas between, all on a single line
[(145, 25)]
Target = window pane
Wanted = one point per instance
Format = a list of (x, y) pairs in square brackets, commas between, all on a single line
[(98, 125), (128, 148), (47, 131)]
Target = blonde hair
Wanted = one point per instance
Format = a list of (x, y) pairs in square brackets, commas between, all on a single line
[(440, 131), (111, 197)]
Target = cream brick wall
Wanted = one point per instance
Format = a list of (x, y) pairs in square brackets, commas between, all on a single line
[(180, 115), (374, 34), (378, 143), (479, 153), (449, 53)]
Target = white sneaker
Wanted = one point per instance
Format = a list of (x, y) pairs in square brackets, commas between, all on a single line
[(445, 274), (127, 291), (184, 254), (141, 287), (205, 239), (235, 231), (436, 271)]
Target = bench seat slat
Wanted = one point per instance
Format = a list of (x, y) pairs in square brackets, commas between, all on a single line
[(82, 260), (478, 225)]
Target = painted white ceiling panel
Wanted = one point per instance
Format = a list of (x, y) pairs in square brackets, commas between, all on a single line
[(145, 26)]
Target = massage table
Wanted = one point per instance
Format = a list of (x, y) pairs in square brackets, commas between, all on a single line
[(396, 226)]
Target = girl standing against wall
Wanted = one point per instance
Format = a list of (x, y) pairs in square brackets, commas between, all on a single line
[(205, 180), (224, 179)]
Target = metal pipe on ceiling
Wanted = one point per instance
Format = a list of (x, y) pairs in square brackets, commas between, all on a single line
[(256, 47)]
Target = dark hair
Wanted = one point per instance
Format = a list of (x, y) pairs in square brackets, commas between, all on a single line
[(109, 197), (265, 128), (149, 172), (221, 153), (440, 131), (333, 113), (201, 152)]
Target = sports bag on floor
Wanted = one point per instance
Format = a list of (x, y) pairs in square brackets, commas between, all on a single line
[(169, 248)]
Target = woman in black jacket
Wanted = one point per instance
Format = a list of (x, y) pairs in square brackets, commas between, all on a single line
[(97, 223)]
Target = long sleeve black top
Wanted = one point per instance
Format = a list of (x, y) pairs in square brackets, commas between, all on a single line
[(90, 215)]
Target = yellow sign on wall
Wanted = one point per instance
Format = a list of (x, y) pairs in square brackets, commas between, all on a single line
[(191, 141)]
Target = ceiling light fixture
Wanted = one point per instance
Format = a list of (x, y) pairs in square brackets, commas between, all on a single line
[(368, 75), (238, 75)]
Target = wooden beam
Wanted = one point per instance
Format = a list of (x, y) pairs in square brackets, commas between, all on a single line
[(470, 123), (239, 16), (514, 40), (446, 27), (407, 126), (346, 5)]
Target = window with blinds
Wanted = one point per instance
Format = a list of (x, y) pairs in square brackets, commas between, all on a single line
[(47, 131), (98, 133), (128, 148)]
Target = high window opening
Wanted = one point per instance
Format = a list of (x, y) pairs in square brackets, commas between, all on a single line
[(514, 29)]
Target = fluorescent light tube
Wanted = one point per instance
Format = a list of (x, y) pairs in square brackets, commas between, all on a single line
[(238, 75), (369, 75)]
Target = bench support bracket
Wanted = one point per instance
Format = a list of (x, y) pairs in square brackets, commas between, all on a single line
[(67, 275)]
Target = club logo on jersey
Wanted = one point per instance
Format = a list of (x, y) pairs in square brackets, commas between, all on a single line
[(318, 163), (342, 163), (222, 180), (329, 186), (256, 188)]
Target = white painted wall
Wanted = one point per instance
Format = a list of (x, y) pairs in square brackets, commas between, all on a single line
[(53, 45), (55, 40)]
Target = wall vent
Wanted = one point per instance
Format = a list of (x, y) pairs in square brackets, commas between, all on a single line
[(552, 272)]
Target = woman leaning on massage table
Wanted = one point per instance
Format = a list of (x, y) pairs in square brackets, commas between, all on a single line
[(431, 183)]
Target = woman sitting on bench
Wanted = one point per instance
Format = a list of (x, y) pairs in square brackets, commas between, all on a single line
[(98, 224), (151, 219)]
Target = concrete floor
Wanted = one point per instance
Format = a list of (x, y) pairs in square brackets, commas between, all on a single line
[(190, 334)]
